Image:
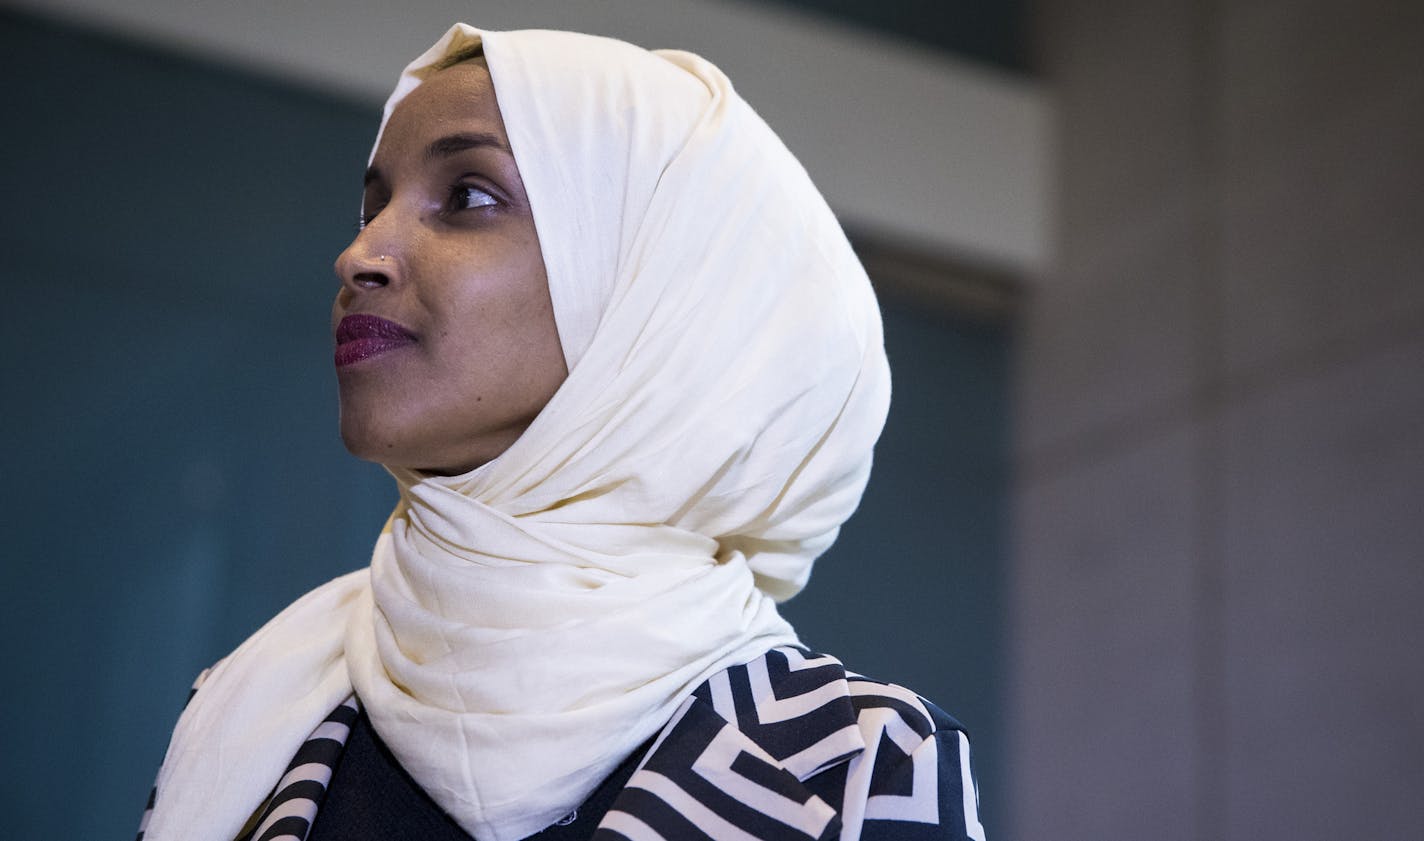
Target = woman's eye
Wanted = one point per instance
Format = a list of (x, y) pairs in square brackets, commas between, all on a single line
[(467, 196)]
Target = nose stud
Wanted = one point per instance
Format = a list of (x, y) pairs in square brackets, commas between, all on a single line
[(383, 258)]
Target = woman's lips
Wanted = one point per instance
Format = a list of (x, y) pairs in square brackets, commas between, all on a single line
[(361, 337)]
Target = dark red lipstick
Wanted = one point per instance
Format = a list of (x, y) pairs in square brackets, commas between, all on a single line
[(361, 337)]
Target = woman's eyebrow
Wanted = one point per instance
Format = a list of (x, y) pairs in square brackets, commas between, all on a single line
[(449, 145), (453, 143)]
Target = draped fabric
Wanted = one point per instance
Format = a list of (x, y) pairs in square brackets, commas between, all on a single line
[(526, 625)]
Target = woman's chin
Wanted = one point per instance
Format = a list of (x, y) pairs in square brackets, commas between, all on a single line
[(388, 452), (366, 442)]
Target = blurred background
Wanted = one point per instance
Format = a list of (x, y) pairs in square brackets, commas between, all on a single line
[(1146, 513)]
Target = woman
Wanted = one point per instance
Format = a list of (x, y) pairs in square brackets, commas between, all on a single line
[(627, 374)]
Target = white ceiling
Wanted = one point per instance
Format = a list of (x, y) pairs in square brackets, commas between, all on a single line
[(903, 140)]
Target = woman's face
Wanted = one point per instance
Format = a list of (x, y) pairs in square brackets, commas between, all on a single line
[(446, 346)]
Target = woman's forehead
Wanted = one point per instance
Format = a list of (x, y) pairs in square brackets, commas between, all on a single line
[(458, 98)]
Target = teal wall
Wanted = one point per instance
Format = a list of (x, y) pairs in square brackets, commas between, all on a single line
[(913, 589), (173, 474)]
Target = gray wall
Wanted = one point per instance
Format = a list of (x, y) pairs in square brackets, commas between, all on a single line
[(1219, 566)]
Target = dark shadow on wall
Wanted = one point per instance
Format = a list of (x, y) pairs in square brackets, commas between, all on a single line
[(174, 473)]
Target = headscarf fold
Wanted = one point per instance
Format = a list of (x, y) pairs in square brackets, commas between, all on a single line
[(524, 626)]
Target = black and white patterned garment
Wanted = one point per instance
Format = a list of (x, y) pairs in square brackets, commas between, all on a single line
[(788, 746)]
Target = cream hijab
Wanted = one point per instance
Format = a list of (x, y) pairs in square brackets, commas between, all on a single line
[(525, 626)]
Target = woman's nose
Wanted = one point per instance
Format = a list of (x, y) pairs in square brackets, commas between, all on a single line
[(366, 264)]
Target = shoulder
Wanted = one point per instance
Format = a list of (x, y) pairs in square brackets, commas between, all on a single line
[(914, 779), (793, 692), (794, 734)]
